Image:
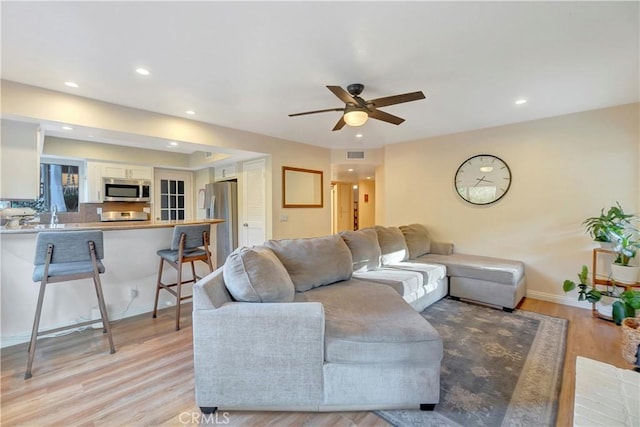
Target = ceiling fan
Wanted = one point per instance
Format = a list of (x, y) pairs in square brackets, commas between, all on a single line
[(357, 111)]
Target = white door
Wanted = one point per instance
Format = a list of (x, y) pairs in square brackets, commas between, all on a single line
[(172, 195), (253, 216)]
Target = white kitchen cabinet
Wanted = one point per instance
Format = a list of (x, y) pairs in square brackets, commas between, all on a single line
[(223, 173), (20, 161), (115, 170), (93, 187)]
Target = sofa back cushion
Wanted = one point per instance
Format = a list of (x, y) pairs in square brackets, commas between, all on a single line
[(417, 238), (315, 261), (257, 275), (364, 248), (392, 245)]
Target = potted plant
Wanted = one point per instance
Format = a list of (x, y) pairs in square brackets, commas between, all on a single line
[(626, 302), (626, 249), (606, 227)]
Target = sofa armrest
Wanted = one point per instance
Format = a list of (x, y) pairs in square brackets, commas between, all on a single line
[(210, 291), (441, 248), (242, 350)]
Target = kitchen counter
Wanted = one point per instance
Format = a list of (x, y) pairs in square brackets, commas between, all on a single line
[(105, 226)]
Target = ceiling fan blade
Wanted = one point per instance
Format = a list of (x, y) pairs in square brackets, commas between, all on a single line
[(343, 95), (396, 99), (316, 111), (340, 124), (385, 117)]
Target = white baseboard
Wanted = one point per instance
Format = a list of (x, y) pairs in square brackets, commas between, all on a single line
[(559, 299)]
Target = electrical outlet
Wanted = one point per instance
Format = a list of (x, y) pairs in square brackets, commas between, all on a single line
[(133, 293), (98, 211)]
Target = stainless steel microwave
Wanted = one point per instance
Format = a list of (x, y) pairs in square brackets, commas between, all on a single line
[(126, 190)]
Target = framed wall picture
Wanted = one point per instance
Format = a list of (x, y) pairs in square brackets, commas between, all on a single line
[(301, 188)]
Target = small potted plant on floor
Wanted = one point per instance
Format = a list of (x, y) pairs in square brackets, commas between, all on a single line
[(626, 303)]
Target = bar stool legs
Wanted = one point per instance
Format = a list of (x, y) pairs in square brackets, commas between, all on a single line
[(34, 332), (190, 243), (106, 328)]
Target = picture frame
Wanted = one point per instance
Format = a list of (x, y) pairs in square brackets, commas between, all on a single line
[(302, 188)]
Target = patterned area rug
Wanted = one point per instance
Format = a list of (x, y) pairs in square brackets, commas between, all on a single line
[(498, 369)]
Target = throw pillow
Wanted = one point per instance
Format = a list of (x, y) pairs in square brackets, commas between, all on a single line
[(314, 261), (417, 238), (364, 247), (257, 275), (392, 245)]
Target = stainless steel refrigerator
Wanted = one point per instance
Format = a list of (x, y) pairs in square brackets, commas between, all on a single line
[(221, 201)]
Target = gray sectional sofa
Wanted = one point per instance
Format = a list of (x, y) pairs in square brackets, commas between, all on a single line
[(331, 323)]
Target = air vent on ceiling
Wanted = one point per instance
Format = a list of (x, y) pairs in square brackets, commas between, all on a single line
[(355, 154)]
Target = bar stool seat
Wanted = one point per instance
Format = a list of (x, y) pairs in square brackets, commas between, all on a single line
[(174, 255), (66, 269), (65, 256), (189, 243)]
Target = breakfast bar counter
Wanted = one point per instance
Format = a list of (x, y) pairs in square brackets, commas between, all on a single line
[(105, 226), (129, 282)]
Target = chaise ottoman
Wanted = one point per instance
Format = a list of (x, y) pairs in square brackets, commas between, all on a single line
[(484, 279)]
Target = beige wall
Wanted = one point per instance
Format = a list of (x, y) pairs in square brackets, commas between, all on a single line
[(36, 104), (564, 169)]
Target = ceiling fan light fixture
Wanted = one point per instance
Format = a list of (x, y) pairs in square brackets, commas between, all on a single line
[(355, 117)]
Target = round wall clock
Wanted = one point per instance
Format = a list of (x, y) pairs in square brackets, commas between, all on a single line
[(482, 179)]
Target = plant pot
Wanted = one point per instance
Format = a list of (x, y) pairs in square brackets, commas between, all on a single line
[(604, 306), (625, 274)]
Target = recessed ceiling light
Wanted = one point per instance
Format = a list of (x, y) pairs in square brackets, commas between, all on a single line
[(521, 101), (173, 144), (91, 136), (349, 170), (190, 112), (142, 71), (368, 177), (71, 84), (355, 187), (359, 135), (67, 128)]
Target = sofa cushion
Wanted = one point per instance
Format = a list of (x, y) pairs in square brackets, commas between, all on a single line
[(404, 282), (392, 244), (370, 323), (364, 248), (257, 275), (314, 261), (431, 272), (478, 267), (417, 238)]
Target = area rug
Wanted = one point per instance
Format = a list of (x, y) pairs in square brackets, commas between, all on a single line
[(498, 369)]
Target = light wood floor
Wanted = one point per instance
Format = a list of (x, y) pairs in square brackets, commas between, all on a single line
[(149, 381)]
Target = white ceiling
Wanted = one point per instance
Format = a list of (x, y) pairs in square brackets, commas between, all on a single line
[(247, 65)]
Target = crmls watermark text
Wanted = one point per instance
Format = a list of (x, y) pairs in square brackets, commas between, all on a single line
[(206, 419)]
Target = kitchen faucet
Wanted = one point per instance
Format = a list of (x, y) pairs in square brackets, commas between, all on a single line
[(54, 217)]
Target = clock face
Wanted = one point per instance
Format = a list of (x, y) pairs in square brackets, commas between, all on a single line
[(482, 179)]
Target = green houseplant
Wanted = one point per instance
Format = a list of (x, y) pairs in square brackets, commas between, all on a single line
[(617, 229), (626, 305), (626, 248), (607, 227)]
